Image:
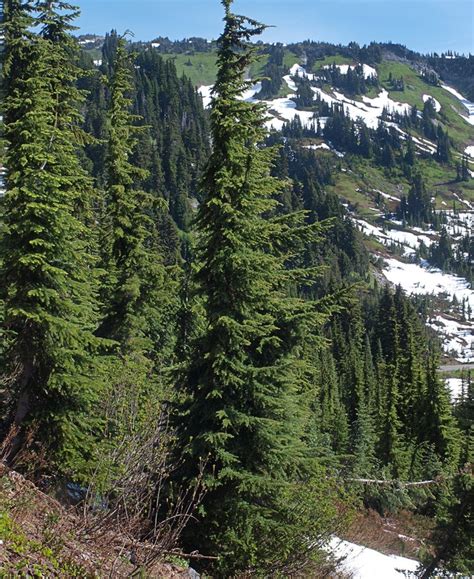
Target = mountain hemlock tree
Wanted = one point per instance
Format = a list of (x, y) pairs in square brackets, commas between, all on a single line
[(47, 273), (245, 407), (134, 274)]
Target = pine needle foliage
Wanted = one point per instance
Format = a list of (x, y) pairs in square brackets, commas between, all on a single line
[(134, 272), (48, 274), (245, 403)]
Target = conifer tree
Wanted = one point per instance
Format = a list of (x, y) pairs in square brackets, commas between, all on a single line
[(17, 20), (48, 275), (245, 410), (134, 273), (438, 425)]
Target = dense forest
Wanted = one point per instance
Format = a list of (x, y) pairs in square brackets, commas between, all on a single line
[(193, 333)]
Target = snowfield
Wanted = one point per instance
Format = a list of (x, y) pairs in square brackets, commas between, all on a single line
[(283, 110), (457, 336), (364, 563), (386, 195), (425, 145), (467, 104), (470, 151), (369, 111), (409, 242), (369, 71), (459, 224), (298, 70), (248, 94), (205, 92), (437, 104)]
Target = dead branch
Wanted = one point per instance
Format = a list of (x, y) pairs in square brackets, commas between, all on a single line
[(395, 482), (173, 552)]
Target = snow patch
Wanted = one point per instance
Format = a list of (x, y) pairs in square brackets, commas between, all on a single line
[(409, 242), (299, 71), (467, 104), (455, 386), (369, 71), (248, 94), (320, 146), (457, 336), (468, 205), (369, 111), (364, 563), (284, 110), (470, 151), (206, 94), (437, 104), (386, 195)]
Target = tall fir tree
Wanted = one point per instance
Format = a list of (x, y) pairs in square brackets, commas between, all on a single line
[(245, 410), (134, 273), (48, 288)]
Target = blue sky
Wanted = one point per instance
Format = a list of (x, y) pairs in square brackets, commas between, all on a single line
[(422, 25)]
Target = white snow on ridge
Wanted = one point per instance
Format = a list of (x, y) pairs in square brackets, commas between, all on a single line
[(248, 94), (285, 110), (425, 145), (369, 111), (364, 563), (315, 147), (437, 104), (458, 337), (386, 195), (408, 241), (298, 70), (470, 151), (344, 68), (384, 101), (422, 279), (468, 205), (469, 106)]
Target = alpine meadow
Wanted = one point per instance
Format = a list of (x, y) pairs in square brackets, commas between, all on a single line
[(236, 304)]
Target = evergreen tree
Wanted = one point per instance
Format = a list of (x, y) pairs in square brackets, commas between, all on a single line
[(134, 273), (418, 202), (410, 152), (388, 157), (304, 94), (17, 21), (439, 427), (48, 275), (443, 146), (453, 535), (442, 252), (245, 410)]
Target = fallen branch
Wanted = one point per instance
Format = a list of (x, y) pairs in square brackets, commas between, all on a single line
[(398, 483), (175, 553), (190, 555)]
